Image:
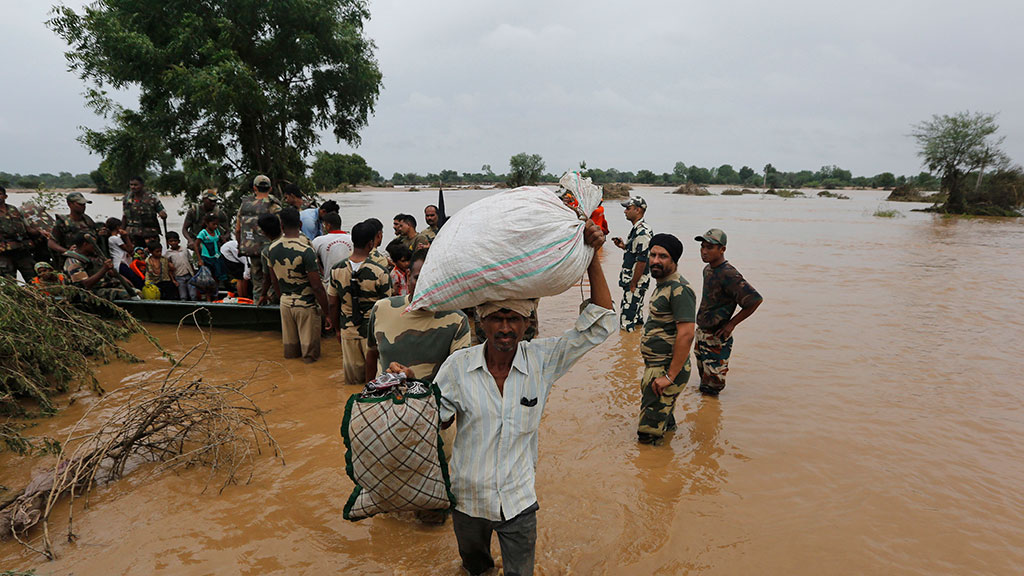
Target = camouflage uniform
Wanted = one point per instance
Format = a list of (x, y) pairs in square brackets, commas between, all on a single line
[(422, 240), (418, 339), (724, 289), (292, 259), (369, 284), (37, 217), (195, 219), (637, 245), (264, 267), (15, 246), (252, 240), (141, 217), (672, 301), (379, 259), (430, 232), (78, 268), (65, 229)]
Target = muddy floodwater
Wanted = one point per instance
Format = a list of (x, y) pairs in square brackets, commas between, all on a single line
[(872, 422)]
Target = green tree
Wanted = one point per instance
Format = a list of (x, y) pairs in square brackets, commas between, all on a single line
[(726, 174), (645, 177), (746, 173), (525, 169), (955, 146), (884, 180), (331, 170), (229, 82), (679, 173)]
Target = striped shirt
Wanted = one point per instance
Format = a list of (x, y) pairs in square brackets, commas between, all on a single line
[(495, 454)]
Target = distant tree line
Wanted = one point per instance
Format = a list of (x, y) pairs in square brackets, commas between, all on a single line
[(46, 180), (331, 171)]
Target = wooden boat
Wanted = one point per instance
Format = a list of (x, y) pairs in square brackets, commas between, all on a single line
[(239, 316)]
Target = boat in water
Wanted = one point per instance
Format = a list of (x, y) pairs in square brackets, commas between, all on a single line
[(215, 314)]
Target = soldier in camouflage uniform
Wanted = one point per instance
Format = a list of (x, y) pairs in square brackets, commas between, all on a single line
[(667, 336), (251, 240), (357, 283), (295, 274), (37, 217), (634, 278), (376, 255), (141, 209), (15, 242), (85, 268), (196, 215), (77, 222), (724, 289), (270, 226), (432, 218), (415, 342)]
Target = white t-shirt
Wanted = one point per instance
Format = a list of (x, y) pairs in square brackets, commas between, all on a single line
[(330, 249), (229, 250), (116, 251)]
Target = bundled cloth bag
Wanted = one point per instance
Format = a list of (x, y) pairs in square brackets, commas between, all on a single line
[(204, 280), (523, 243), (394, 455)]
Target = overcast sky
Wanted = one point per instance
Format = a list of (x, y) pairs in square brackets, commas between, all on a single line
[(629, 85)]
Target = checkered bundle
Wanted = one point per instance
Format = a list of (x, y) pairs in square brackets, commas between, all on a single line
[(394, 454)]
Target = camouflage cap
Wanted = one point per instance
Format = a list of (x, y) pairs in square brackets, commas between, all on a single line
[(713, 236), (78, 198), (635, 201), (40, 266), (261, 181), (210, 193)]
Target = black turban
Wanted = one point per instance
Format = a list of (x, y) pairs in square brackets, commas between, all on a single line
[(670, 243)]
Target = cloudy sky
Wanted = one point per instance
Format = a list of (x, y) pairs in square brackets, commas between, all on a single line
[(629, 85)]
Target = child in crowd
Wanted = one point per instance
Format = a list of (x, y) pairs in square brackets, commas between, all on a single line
[(207, 247), (183, 270), (137, 267), (120, 245), (401, 256), (160, 272)]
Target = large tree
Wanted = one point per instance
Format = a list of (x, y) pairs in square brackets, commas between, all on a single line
[(331, 170), (956, 146), (246, 84), (525, 169)]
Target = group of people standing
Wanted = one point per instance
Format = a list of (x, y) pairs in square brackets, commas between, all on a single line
[(495, 392), (674, 322)]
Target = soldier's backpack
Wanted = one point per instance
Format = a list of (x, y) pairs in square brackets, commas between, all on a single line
[(523, 243), (394, 454)]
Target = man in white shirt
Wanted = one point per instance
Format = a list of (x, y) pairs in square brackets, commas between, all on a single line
[(497, 391), (333, 247)]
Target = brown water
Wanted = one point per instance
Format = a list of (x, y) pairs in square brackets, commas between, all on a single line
[(871, 424)]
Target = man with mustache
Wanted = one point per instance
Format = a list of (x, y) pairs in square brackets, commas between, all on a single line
[(667, 336), (497, 390)]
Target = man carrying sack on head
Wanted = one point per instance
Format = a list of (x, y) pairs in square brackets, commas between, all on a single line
[(497, 391)]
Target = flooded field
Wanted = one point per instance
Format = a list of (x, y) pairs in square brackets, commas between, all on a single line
[(871, 424)]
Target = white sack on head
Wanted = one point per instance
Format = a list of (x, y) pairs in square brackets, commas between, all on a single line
[(588, 194), (523, 243)]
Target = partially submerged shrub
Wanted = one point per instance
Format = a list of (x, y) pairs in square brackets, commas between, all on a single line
[(691, 189), (616, 190)]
